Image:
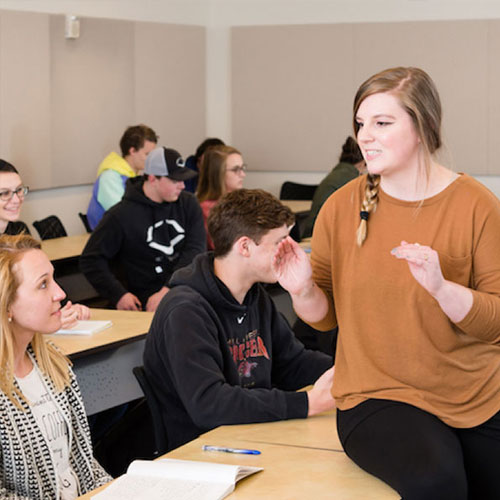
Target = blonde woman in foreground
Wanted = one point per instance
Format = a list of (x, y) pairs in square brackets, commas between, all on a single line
[(406, 260), (45, 447)]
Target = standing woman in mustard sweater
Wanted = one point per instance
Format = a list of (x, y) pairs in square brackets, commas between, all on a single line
[(406, 260), (45, 446)]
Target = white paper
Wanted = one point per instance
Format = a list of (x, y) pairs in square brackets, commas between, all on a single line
[(85, 327), (155, 488)]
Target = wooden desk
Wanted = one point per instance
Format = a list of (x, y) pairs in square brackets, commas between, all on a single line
[(103, 361), (66, 247), (297, 206), (290, 472), (318, 432)]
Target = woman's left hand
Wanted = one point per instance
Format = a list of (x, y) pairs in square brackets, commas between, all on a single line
[(72, 313), (424, 265)]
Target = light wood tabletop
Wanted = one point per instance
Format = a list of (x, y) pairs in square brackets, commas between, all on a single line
[(290, 472), (66, 247), (126, 325), (298, 205), (318, 432)]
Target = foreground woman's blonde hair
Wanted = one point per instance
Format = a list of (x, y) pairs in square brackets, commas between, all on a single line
[(50, 361)]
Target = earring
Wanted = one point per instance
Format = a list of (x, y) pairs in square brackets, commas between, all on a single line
[(9, 319)]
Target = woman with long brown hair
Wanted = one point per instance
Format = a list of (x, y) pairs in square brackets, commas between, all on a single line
[(222, 171), (406, 261)]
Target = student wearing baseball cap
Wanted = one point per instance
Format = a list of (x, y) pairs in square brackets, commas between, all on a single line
[(156, 229)]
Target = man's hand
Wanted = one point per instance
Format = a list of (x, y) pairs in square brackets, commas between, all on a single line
[(155, 299), (320, 396), (129, 302)]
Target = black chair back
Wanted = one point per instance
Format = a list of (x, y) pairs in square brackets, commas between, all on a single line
[(85, 221), (160, 432), (294, 191), (50, 227)]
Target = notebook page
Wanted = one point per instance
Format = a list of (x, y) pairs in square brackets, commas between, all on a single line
[(185, 469), (130, 487)]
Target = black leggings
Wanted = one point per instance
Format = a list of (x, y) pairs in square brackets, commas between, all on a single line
[(418, 455)]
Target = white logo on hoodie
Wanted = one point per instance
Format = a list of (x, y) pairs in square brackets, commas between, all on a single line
[(166, 249)]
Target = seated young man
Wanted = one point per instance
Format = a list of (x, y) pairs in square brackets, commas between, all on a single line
[(156, 229), (136, 143), (218, 352)]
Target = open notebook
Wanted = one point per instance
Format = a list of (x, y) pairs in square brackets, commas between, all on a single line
[(85, 327), (175, 479)]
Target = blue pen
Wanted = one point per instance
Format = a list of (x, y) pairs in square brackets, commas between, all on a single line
[(207, 447)]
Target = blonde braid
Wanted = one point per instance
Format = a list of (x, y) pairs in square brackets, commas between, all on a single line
[(368, 206)]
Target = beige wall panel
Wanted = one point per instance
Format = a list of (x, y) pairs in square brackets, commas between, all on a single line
[(25, 95), (92, 95), (454, 53), (492, 96), (291, 95), (170, 83)]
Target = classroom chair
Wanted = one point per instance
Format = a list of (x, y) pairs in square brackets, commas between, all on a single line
[(85, 221), (159, 430), (295, 191), (50, 227)]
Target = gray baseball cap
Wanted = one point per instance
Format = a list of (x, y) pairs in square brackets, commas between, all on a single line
[(168, 163)]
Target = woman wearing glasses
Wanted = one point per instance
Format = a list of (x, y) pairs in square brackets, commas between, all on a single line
[(222, 171), (12, 193)]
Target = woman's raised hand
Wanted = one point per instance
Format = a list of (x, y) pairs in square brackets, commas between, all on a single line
[(292, 267), (455, 300), (424, 265)]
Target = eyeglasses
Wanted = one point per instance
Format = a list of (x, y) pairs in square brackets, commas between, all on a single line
[(8, 194), (238, 169)]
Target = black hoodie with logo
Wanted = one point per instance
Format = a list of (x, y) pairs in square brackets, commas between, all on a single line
[(146, 241), (213, 361)]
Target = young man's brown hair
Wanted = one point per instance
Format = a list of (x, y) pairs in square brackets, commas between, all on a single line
[(135, 136), (245, 212)]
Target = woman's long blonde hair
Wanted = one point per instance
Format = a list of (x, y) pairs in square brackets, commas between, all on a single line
[(51, 362), (211, 185), (418, 96)]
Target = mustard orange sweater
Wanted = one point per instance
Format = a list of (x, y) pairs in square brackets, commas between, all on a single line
[(395, 342)]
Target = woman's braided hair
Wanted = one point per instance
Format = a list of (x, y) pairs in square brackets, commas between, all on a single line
[(418, 96)]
